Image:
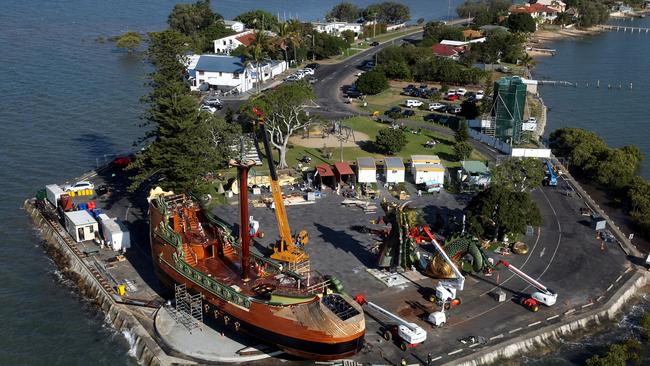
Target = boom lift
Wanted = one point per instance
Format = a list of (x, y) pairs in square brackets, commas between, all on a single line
[(407, 334), (446, 289), (551, 178), (287, 249), (544, 295)]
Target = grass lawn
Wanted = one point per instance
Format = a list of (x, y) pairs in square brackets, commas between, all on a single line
[(391, 35), (414, 146)]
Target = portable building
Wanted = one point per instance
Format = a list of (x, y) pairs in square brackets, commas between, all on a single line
[(474, 173), (394, 170), (81, 225), (116, 235), (425, 159), (428, 173), (366, 170), (53, 193)]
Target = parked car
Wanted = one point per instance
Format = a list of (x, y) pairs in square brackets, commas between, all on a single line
[(432, 117), (79, 186), (461, 91), (455, 109), (121, 162), (413, 103), (532, 120), (312, 80), (393, 110), (408, 113), (211, 100), (452, 98), (312, 66), (291, 78), (435, 106), (409, 87), (208, 108), (451, 92), (353, 94), (374, 44), (306, 71), (479, 95)]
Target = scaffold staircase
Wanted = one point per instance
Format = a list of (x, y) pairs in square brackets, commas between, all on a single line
[(188, 308)]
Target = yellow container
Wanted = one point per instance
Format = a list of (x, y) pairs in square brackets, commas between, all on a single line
[(71, 193), (87, 192), (121, 290)]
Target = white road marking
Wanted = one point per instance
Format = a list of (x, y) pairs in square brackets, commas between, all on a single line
[(569, 311), (600, 297), (436, 359), (535, 323), (610, 287), (541, 254), (496, 337), (126, 214), (587, 305), (552, 317), (514, 330), (454, 352), (619, 278), (474, 345)]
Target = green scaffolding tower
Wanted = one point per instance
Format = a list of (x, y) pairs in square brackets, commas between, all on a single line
[(508, 108)]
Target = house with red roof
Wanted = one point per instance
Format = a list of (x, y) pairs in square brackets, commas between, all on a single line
[(447, 51), (538, 11), (225, 45)]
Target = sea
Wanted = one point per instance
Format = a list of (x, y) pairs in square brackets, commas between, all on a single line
[(69, 100)]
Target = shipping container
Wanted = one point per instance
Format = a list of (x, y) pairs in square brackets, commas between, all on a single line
[(53, 192), (115, 234)]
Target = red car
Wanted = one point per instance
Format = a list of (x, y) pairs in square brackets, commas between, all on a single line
[(452, 98), (121, 162)]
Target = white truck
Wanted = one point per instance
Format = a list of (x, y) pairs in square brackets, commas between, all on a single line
[(543, 295)]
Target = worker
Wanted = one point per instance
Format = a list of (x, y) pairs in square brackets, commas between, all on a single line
[(254, 226), (429, 359), (402, 362)]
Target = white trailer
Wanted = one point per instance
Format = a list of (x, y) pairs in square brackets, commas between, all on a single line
[(53, 192), (81, 225), (366, 170), (115, 234), (394, 170)]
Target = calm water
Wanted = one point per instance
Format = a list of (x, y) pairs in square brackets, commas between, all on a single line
[(620, 116), (64, 101)]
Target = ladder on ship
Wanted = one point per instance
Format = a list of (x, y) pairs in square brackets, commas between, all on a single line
[(188, 308)]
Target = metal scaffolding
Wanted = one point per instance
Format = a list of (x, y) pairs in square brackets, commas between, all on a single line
[(188, 308)]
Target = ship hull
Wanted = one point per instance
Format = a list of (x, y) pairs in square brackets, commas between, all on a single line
[(218, 309)]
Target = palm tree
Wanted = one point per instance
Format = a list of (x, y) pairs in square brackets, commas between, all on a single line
[(283, 38), (257, 52)]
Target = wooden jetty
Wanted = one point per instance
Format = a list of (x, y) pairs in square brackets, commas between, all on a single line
[(624, 28)]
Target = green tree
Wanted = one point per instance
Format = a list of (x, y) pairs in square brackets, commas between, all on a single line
[(372, 82), (639, 198), (395, 70), (592, 13), (521, 22), (499, 46), (191, 18), (463, 150), (618, 354), (390, 140), (258, 19), (328, 45), (645, 326), (462, 132), (129, 41), (618, 167), (344, 12), (469, 110), (393, 13), (583, 148), (503, 211), (518, 175), (437, 31), (349, 36), (283, 112)]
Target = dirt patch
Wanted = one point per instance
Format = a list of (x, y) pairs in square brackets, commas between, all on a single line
[(316, 140)]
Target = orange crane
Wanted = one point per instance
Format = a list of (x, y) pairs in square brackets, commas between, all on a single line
[(287, 249)]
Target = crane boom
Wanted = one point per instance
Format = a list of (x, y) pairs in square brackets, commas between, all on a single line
[(459, 276), (411, 326), (552, 177), (524, 276)]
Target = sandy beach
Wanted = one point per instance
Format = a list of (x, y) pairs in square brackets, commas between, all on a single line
[(542, 37)]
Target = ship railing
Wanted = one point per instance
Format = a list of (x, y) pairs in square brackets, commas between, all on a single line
[(208, 283)]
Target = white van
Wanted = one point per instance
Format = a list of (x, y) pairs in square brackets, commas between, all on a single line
[(413, 103)]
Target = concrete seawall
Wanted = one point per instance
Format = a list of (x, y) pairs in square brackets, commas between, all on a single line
[(552, 334), (143, 347)]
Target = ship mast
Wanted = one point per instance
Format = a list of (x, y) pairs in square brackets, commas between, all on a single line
[(243, 165)]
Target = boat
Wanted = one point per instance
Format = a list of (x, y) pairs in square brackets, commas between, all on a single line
[(302, 314)]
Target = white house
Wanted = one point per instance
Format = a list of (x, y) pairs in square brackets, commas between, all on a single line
[(366, 170), (427, 169), (394, 170), (558, 5), (81, 225), (234, 25), (225, 45), (539, 12), (336, 28), (219, 72), (269, 69)]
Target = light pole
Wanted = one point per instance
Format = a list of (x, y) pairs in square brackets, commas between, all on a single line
[(313, 46)]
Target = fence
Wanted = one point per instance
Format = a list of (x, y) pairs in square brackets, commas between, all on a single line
[(490, 141)]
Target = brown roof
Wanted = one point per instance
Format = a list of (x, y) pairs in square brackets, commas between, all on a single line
[(324, 170), (247, 39), (471, 33), (444, 50), (343, 168), (532, 8)]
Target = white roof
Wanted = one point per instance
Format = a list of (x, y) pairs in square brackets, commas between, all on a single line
[(529, 81), (366, 163), (80, 218), (453, 43), (394, 163)]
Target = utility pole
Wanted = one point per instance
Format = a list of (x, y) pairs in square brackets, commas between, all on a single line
[(313, 47)]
